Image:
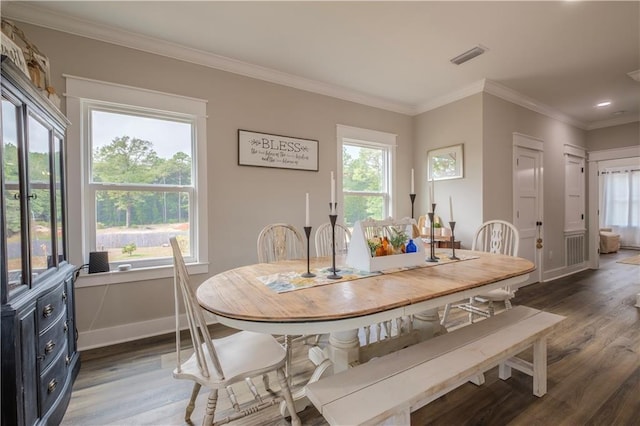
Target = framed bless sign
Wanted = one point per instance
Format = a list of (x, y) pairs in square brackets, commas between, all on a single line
[(283, 152)]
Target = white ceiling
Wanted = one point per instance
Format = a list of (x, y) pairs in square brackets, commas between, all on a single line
[(558, 57)]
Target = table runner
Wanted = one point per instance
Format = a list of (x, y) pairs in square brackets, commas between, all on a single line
[(284, 282)]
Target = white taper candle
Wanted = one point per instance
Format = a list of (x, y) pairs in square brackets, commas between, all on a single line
[(307, 221), (413, 189), (450, 209)]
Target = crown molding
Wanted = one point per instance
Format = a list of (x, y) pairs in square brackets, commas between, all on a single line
[(518, 98), (37, 16), (613, 122), (34, 15), (456, 95)]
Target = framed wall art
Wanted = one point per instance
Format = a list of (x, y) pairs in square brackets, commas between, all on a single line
[(445, 163), (283, 152)]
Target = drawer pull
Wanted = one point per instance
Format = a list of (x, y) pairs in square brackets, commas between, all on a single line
[(48, 348), (52, 385), (66, 326), (67, 360), (64, 295), (47, 311)]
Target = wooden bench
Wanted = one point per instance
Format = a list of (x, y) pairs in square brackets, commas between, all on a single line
[(387, 389)]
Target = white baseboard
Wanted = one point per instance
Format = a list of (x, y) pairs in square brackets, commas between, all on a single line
[(91, 339), (557, 273)]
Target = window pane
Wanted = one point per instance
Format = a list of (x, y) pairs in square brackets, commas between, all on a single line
[(57, 144), (137, 225), (39, 175), (140, 150), (363, 169), (360, 207), (12, 224)]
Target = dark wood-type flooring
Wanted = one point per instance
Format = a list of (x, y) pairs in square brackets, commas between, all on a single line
[(593, 372)]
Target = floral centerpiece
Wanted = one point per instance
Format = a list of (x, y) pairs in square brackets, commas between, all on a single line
[(398, 240)]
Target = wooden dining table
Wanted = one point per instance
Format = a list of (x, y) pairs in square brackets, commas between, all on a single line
[(240, 299)]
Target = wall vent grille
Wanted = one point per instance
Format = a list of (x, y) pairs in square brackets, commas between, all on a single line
[(575, 249)]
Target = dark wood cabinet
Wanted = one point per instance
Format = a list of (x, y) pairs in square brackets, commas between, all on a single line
[(39, 342)]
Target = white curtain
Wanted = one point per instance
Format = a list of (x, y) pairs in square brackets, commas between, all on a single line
[(621, 204)]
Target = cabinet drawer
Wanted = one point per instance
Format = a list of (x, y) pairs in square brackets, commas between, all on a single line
[(53, 380), (53, 340), (50, 306)]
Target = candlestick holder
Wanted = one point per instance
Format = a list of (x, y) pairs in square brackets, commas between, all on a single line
[(432, 252), (413, 199), (332, 218), (452, 225), (308, 274)]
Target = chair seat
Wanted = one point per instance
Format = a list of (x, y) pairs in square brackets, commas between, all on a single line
[(241, 355)]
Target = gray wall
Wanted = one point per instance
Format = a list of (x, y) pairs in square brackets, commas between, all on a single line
[(241, 200), (452, 124), (620, 136), (501, 120)]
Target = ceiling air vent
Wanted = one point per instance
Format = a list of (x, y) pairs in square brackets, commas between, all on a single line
[(468, 55), (635, 75)]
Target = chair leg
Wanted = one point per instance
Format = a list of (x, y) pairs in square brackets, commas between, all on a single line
[(286, 392), (212, 401), (471, 300), (507, 304), (492, 310), (445, 315), (192, 402), (265, 380), (287, 362)]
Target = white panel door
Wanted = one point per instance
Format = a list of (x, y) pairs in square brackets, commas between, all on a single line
[(527, 181)]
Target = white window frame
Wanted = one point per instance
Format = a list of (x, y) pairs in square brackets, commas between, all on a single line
[(83, 96), (366, 138)]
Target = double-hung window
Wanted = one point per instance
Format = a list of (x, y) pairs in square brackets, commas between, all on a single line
[(366, 158), (143, 176)]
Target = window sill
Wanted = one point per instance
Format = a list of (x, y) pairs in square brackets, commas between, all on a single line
[(133, 275)]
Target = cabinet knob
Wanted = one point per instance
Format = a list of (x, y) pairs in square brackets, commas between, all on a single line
[(67, 360), (52, 385), (64, 295), (66, 327), (33, 196), (47, 310), (16, 196), (48, 348)]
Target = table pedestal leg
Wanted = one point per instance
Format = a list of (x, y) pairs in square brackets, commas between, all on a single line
[(428, 324), (343, 349)]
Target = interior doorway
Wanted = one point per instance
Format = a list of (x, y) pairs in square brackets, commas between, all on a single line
[(527, 199)]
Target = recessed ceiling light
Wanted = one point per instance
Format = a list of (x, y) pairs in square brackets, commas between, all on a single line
[(634, 75), (603, 104), (618, 112)]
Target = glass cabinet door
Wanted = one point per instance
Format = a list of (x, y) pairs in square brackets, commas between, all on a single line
[(11, 194), (58, 199), (41, 224)]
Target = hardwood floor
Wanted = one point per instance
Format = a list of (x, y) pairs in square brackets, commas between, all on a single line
[(593, 373)]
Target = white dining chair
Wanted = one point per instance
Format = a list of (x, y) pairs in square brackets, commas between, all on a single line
[(494, 236), (323, 239), (279, 241), (276, 242), (220, 363)]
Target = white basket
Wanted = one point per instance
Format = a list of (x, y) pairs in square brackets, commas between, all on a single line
[(359, 255)]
